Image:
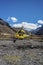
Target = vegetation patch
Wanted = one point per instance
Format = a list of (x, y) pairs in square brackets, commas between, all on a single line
[(12, 58)]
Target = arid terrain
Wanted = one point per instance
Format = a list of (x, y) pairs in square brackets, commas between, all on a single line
[(22, 52), (28, 51)]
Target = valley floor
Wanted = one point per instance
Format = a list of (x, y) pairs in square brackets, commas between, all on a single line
[(22, 52)]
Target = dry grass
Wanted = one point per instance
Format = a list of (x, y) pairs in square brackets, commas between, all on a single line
[(11, 58)]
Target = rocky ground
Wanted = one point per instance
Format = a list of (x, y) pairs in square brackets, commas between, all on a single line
[(22, 52)]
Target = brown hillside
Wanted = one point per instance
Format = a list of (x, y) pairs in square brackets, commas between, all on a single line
[(5, 28)]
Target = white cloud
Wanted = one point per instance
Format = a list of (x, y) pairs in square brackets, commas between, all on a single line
[(40, 21), (17, 25), (13, 19), (28, 26)]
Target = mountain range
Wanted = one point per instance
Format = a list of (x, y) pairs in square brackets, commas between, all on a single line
[(6, 28), (39, 31)]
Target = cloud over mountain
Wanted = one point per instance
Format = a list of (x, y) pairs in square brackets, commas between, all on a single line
[(13, 19), (26, 25), (40, 21)]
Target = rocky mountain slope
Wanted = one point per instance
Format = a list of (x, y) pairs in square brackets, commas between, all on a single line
[(5, 27), (40, 31), (6, 31)]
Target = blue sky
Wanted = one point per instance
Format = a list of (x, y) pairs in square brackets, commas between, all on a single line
[(29, 11)]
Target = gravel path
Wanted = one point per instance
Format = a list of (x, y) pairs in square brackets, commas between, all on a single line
[(11, 55)]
